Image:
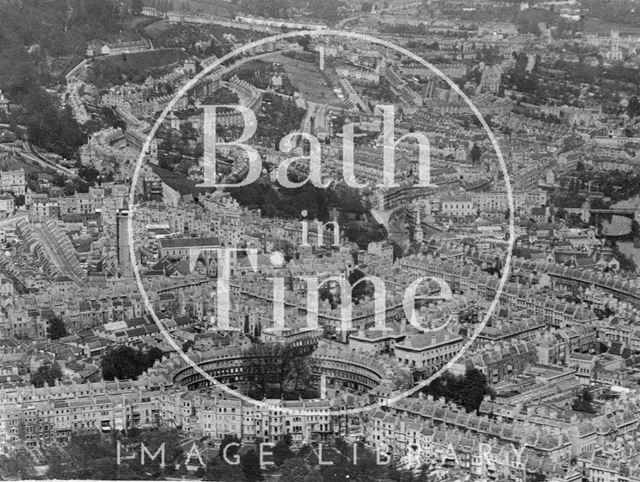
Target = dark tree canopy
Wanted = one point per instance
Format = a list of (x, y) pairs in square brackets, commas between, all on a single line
[(476, 154), (277, 370), (92, 456), (19, 463), (282, 450), (126, 363), (250, 464), (468, 390), (57, 31), (136, 7), (47, 373), (298, 469), (57, 328), (633, 108), (583, 402), (344, 467), (360, 289)]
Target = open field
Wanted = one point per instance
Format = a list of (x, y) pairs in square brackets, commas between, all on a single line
[(138, 62), (158, 29), (595, 25), (307, 78), (133, 67)]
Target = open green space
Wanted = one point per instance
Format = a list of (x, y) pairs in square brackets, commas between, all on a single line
[(133, 67), (308, 79)]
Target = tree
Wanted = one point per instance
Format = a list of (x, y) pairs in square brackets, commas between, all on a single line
[(218, 469), (125, 363), (57, 328), (187, 345), (304, 41), (275, 365), (583, 402), (476, 154), (344, 467), (366, 467), (474, 389), (47, 373), (136, 7), (468, 390), (122, 362), (298, 469), (360, 290), (251, 466), (154, 439), (90, 173), (151, 356), (19, 464), (402, 475), (633, 109), (282, 450), (56, 469)]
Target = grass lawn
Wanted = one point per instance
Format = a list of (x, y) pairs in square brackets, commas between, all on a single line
[(307, 79), (140, 61), (133, 67), (158, 29), (595, 25)]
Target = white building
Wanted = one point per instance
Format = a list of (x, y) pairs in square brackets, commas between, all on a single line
[(460, 205), (13, 181)]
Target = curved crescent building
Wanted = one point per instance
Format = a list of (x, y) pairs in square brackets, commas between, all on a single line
[(339, 366)]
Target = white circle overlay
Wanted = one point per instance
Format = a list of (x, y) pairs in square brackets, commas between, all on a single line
[(242, 50)]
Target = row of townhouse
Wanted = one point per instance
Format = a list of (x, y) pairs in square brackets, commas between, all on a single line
[(215, 416), (616, 330), (623, 289), (498, 201), (500, 361), (79, 310), (101, 150), (554, 347), (50, 415), (609, 469), (616, 422), (473, 282), (418, 442), (414, 423), (555, 436), (92, 313)]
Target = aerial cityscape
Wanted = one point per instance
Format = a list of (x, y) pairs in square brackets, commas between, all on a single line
[(326, 240)]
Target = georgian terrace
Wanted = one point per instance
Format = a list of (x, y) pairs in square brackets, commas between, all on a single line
[(338, 364)]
